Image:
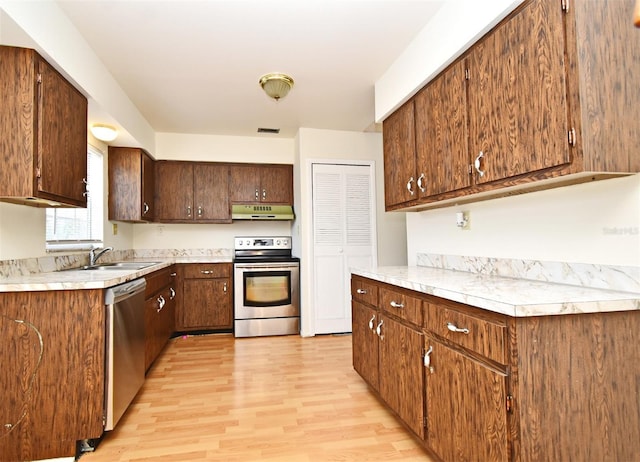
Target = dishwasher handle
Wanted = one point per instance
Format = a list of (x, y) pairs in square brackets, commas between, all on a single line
[(128, 289)]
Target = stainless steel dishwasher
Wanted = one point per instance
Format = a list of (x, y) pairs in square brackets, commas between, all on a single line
[(125, 347)]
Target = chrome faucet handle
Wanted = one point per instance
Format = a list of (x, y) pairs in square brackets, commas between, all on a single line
[(93, 257)]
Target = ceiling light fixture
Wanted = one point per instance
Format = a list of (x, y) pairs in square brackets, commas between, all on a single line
[(104, 132), (276, 85)]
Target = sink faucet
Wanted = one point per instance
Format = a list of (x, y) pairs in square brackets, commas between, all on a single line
[(93, 257)]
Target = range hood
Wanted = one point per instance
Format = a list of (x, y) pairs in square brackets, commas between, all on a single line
[(262, 212)]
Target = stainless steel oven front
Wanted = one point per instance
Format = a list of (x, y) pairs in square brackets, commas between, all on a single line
[(266, 298)]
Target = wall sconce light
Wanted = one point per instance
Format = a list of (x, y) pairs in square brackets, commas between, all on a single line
[(104, 132), (276, 85)]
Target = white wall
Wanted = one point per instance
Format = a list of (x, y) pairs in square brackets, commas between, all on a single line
[(312, 144), (596, 223)]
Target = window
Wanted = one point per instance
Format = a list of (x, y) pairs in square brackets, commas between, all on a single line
[(75, 228)]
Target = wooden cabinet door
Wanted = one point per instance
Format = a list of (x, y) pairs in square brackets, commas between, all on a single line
[(401, 372), (276, 184), (517, 95), (442, 142), (244, 187), (148, 176), (174, 192), (364, 321), (399, 156), (211, 192), (207, 304), (131, 184), (466, 407), (61, 138)]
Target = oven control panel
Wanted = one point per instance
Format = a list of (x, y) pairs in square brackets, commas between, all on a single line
[(252, 242)]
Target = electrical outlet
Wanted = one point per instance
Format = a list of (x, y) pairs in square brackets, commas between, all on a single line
[(463, 220), (114, 227)]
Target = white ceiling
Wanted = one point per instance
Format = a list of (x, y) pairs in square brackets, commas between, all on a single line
[(193, 66)]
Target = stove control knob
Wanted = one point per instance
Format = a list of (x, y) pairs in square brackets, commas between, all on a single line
[(278, 242)]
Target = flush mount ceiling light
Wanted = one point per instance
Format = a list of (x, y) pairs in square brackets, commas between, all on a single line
[(104, 132), (276, 85)]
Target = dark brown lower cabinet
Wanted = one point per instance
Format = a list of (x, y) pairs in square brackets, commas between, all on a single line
[(365, 343), (400, 369), (159, 309), (206, 301), (466, 407), (52, 352)]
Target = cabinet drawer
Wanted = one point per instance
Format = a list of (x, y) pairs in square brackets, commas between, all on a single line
[(158, 279), (402, 305), (207, 270), (364, 291), (484, 336)]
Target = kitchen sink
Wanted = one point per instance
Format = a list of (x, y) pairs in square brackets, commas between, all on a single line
[(122, 265)]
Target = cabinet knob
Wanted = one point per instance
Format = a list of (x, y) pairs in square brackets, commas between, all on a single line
[(361, 291), (422, 188), (477, 163), (453, 328)]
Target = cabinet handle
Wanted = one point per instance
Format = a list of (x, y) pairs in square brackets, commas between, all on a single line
[(200, 210), (145, 208), (396, 305), (264, 193), (206, 271), (257, 194), (173, 293), (189, 211), (422, 188), (477, 163), (411, 191), (161, 303), (371, 322), (361, 291), (173, 275), (224, 287), (427, 359), (379, 330), (84, 181), (453, 328)]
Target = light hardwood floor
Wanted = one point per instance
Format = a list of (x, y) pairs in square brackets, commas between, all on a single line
[(217, 398)]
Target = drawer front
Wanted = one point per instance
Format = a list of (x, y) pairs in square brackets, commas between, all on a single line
[(158, 279), (402, 305), (364, 291), (485, 337), (207, 270)]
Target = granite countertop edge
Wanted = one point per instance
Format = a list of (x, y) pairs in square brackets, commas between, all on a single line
[(79, 280), (510, 296)]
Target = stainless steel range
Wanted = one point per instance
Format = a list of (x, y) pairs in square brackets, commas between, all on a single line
[(267, 281)]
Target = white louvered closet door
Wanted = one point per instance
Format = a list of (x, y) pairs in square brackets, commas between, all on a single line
[(343, 237)]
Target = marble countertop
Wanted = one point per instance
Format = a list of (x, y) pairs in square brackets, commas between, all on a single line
[(74, 280), (510, 296)]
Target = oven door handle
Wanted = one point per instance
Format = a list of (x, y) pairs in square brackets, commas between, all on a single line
[(266, 266)]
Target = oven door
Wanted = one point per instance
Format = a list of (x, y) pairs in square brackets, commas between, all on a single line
[(266, 290)]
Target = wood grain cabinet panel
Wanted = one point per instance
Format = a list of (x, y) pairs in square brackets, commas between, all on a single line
[(543, 100), (442, 139), (364, 291), (401, 304), (160, 307), (205, 297), (131, 185), (44, 133), (466, 407), (261, 183), (399, 157), (364, 321), (192, 192), (52, 351)]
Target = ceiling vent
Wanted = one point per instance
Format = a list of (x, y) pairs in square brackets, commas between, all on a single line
[(269, 130)]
